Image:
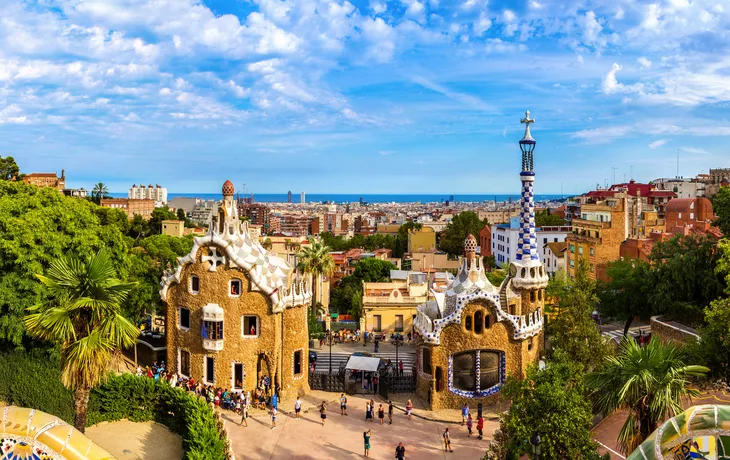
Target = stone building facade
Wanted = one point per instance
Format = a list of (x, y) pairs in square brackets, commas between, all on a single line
[(471, 337), (236, 312)]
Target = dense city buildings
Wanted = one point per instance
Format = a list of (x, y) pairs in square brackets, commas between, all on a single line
[(421, 240), (157, 194), (256, 213), (235, 312), (717, 179), (470, 338), (47, 180), (505, 239), (131, 207)]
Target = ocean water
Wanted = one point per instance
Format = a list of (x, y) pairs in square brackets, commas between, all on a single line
[(367, 197)]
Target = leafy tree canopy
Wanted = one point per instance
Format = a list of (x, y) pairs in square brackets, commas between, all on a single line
[(554, 402), (626, 295), (346, 297), (714, 347), (684, 277), (721, 206), (545, 219), (158, 215), (573, 330), (369, 243), (8, 168), (373, 270), (38, 226), (463, 224)]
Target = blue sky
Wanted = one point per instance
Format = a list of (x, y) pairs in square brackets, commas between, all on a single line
[(406, 96)]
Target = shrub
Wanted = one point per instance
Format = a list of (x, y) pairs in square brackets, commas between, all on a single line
[(35, 381)]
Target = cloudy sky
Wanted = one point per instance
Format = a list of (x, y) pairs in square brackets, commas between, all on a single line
[(363, 96)]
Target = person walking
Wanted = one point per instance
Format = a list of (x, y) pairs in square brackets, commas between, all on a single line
[(464, 413), (366, 439), (372, 410), (323, 412), (368, 415), (244, 415), (381, 413), (447, 441), (400, 452), (469, 424), (390, 412), (480, 426), (400, 367), (409, 408), (343, 404), (297, 407), (273, 417)]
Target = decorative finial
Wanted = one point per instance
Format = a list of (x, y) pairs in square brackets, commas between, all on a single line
[(527, 120)]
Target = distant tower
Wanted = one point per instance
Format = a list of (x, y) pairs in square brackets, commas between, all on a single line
[(302, 198), (288, 197), (527, 271)]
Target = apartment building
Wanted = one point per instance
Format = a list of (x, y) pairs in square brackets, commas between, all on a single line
[(505, 240)]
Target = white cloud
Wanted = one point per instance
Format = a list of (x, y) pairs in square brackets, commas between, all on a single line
[(591, 27), (12, 114), (510, 23), (464, 98), (482, 24), (496, 45), (378, 7), (657, 144), (696, 150), (644, 62), (611, 85)]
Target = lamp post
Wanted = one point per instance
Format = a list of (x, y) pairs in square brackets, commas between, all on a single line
[(397, 343), (535, 442), (329, 339)]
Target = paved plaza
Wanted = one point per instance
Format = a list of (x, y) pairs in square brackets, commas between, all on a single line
[(342, 436)]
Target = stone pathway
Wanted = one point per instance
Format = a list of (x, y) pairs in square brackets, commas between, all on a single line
[(127, 440), (342, 436)]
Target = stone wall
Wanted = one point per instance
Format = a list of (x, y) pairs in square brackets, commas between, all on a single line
[(261, 355), (670, 333), (455, 338)]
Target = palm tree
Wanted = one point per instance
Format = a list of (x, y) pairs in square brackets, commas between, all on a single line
[(99, 191), (650, 382), (315, 259), (83, 316)]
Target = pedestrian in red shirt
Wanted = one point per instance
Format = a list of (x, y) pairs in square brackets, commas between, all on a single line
[(480, 426)]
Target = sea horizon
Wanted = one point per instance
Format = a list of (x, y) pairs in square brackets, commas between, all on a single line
[(341, 198)]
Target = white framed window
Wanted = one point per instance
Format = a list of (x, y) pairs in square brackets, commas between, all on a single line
[(194, 284), (209, 369), (183, 363), (238, 376), (250, 326), (183, 318), (234, 288)]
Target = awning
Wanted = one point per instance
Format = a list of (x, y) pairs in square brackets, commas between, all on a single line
[(212, 312), (363, 363)]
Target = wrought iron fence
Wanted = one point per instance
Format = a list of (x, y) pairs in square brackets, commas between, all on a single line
[(325, 381), (405, 383)]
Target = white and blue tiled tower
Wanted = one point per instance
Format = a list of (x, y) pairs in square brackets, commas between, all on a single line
[(527, 272)]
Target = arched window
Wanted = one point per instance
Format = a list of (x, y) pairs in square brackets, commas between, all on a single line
[(533, 296), (467, 323), (478, 322), (487, 324), (426, 360)]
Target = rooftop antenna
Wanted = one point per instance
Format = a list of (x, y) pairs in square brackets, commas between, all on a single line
[(561, 191), (613, 170), (632, 172), (624, 177), (677, 163)]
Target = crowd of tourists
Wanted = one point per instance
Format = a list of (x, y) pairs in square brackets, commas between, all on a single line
[(353, 336)]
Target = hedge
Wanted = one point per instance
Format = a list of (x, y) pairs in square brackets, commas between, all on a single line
[(33, 381)]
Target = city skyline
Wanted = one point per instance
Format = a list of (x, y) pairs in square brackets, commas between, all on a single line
[(405, 97)]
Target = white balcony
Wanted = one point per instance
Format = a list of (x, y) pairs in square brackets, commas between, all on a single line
[(213, 345)]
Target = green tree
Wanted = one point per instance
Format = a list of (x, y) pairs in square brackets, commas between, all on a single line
[(557, 287), (573, 330), (373, 270), (9, 169), (650, 382), (461, 226), (721, 206), (99, 191), (714, 347), (554, 402), (83, 316), (723, 263), (684, 276), (37, 227), (626, 295), (158, 215), (402, 237), (181, 214), (545, 219), (138, 227), (148, 259), (315, 259)]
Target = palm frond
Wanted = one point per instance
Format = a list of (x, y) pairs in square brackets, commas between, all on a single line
[(85, 361)]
